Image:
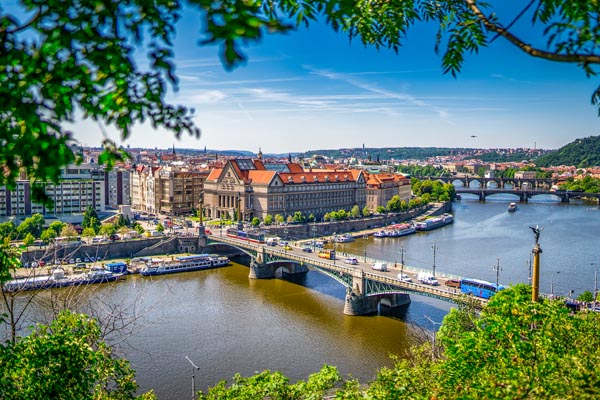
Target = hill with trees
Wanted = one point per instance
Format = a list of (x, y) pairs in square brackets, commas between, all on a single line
[(581, 153)]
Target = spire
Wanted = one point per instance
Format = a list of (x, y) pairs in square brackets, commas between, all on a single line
[(289, 157), (260, 154), (173, 148)]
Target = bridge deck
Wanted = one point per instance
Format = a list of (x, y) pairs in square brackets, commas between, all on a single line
[(377, 282)]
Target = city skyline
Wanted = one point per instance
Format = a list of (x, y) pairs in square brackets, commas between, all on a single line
[(314, 89)]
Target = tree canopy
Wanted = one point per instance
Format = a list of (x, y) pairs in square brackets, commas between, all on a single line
[(112, 61)]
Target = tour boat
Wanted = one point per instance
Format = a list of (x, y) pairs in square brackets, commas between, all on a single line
[(194, 262), (58, 279), (433, 223), (512, 207)]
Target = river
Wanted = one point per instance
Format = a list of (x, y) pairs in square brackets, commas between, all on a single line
[(226, 323)]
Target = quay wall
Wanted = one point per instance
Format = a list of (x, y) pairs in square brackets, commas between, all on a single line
[(309, 230)]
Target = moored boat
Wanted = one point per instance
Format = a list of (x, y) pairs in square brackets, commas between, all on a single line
[(380, 234), (194, 262), (58, 279), (435, 222), (344, 238)]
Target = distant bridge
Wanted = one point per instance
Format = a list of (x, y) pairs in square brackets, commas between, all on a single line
[(524, 188), (365, 290)]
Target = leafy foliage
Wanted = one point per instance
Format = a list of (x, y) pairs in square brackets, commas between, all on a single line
[(66, 360), (581, 153)]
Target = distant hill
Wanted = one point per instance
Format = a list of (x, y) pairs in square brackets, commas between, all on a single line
[(581, 153)]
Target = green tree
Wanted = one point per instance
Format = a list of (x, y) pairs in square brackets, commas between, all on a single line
[(355, 212), (395, 204), (268, 219), (107, 230), (255, 222), (8, 230), (28, 239), (366, 212), (88, 233), (33, 225), (65, 360), (380, 210), (90, 219), (278, 219), (298, 217), (586, 296), (57, 226), (311, 217), (48, 235), (160, 228)]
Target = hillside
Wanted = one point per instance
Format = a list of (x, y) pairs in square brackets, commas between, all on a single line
[(581, 153)]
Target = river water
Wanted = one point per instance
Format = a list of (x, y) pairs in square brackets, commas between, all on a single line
[(226, 323)]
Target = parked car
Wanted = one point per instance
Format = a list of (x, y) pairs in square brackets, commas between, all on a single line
[(351, 260)]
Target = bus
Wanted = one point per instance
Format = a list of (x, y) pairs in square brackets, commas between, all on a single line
[(327, 253), (479, 288)]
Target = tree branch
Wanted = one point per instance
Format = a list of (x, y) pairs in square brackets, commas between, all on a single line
[(532, 51), (26, 25)]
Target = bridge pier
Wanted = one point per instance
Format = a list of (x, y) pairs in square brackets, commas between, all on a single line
[(482, 196), (357, 304)]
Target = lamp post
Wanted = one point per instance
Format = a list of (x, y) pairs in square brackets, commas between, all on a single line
[(365, 237), (552, 285), (497, 268), (285, 233), (402, 252), (194, 368), (434, 247), (314, 230), (334, 252)]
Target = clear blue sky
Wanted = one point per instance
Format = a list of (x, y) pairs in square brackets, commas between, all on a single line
[(313, 89)]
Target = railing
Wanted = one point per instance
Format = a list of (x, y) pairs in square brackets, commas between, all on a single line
[(394, 283)]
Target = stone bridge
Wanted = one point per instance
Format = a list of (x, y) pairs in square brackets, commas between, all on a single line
[(365, 290)]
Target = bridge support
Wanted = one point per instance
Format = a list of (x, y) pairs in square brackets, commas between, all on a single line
[(259, 268), (482, 196), (357, 304)]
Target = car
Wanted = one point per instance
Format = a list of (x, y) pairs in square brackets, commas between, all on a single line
[(72, 261), (404, 278), (42, 263), (78, 260), (351, 260), (454, 283), (287, 247), (307, 250)]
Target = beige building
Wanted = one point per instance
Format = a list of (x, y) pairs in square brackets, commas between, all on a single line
[(173, 189), (382, 187), (259, 189)]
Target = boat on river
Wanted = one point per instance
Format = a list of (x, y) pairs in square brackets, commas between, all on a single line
[(512, 207), (159, 266), (58, 279), (435, 222), (345, 238), (400, 230)]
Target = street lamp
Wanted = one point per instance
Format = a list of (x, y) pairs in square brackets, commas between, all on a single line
[(434, 247), (334, 252), (497, 268), (314, 229), (194, 368), (402, 252), (365, 237)]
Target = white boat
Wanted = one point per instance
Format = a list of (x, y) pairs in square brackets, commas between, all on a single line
[(345, 238), (401, 230), (58, 279), (435, 222), (380, 234), (194, 262), (218, 261), (512, 207)]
